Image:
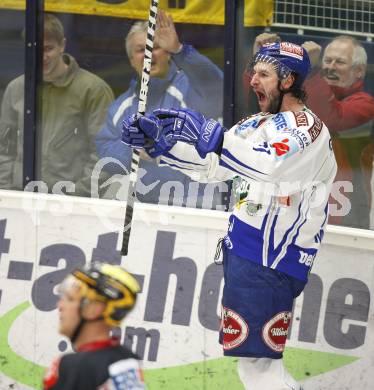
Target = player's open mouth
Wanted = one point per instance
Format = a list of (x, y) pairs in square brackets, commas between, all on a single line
[(260, 96)]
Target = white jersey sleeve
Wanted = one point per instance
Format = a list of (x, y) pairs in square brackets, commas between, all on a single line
[(289, 150), (184, 157), (286, 150)]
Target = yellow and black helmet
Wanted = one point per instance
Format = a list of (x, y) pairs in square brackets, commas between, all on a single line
[(110, 284)]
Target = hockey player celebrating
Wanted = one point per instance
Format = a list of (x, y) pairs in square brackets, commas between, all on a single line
[(283, 167), (93, 300)]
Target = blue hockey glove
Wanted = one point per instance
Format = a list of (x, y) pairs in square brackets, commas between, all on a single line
[(131, 133), (158, 134), (188, 126), (141, 132)]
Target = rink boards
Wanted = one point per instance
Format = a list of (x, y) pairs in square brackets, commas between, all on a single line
[(174, 326)]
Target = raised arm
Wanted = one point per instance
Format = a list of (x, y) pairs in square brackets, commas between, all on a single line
[(205, 78), (289, 148)]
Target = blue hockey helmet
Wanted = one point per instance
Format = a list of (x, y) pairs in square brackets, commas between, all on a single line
[(287, 58)]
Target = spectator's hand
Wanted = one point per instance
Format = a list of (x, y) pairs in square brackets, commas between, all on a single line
[(190, 127), (264, 38), (166, 33), (314, 52)]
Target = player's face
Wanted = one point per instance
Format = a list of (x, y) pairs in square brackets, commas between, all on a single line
[(160, 57), (265, 84), (337, 64), (52, 58), (69, 307)]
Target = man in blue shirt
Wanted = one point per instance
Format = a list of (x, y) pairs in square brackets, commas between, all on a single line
[(180, 78)]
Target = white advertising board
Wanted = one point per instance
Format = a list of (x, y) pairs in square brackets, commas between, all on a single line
[(174, 328)]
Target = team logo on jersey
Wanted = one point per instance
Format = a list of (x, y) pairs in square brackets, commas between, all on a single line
[(235, 330), (275, 331)]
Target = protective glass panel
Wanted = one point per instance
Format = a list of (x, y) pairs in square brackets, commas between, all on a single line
[(91, 83), (11, 97), (339, 88)]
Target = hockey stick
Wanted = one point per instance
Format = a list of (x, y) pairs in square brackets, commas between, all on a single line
[(141, 111)]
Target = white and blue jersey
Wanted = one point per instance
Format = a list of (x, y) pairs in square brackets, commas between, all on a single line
[(283, 167)]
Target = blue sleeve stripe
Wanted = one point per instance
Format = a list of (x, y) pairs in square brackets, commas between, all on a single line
[(227, 154), (176, 166), (169, 155), (223, 164), (187, 166)]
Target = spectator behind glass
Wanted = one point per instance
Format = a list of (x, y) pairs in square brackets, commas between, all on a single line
[(180, 78), (335, 92), (74, 104)]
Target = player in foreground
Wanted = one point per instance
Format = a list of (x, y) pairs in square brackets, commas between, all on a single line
[(283, 168), (93, 300)]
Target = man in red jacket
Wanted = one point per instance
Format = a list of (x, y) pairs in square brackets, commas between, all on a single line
[(335, 92)]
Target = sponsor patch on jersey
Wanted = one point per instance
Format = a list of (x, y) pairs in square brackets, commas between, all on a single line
[(253, 208), (235, 330), (282, 147), (300, 137), (280, 122), (275, 331), (316, 129), (285, 147), (250, 124), (301, 118), (291, 50), (240, 189), (126, 374)]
